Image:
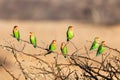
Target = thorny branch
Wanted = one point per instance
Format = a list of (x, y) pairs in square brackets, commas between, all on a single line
[(88, 68), (12, 75)]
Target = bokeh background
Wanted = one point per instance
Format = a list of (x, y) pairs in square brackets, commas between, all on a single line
[(90, 11), (49, 19)]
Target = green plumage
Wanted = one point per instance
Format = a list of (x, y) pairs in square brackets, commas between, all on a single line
[(100, 50), (64, 51), (33, 41), (16, 35), (52, 47), (95, 45), (70, 35)]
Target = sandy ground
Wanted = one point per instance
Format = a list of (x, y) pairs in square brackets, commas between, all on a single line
[(46, 31)]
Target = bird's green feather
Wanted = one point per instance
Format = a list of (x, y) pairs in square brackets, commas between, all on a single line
[(16, 34), (33, 41), (95, 45), (70, 35), (52, 47), (100, 50), (64, 51)]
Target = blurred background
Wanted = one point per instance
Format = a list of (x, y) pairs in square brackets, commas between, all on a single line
[(49, 19), (88, 11), (90, 18)]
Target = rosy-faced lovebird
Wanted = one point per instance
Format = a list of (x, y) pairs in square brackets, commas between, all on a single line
[(33, 39), (101, 48), (16, 33), (70, 33), (53, 45), (95, 43), (64, 49)]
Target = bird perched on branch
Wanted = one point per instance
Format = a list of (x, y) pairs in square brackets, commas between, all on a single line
[(101, 48), (95, 43), (70, 33), (33, 39), (52, 47), (16, 33), (64, 49)]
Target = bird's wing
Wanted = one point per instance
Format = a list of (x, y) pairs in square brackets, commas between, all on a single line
[(13, 33), (18, 34), (99, 50), (50, 46), (30, 40), (34, 40), (93, 45), (67, 34)]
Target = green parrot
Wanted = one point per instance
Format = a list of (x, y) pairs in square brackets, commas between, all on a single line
[(64, 49), (95, 44), (52, 46), (33, 39), (16, 33), (101, 48), (70, 33)]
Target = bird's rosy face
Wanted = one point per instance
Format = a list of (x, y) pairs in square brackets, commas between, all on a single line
[(31, 33), (97, 39), (54, 42), (15, 27), (103, 43), (63, 44), (70, 28)]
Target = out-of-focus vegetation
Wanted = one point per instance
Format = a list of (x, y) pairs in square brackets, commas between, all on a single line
[(96, 11)]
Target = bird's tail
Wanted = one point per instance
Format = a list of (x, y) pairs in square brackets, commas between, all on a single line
[(97, 54), (35, 46), (90, 49), (64, 56), (67, 40), (18, 39), (48, 53)]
